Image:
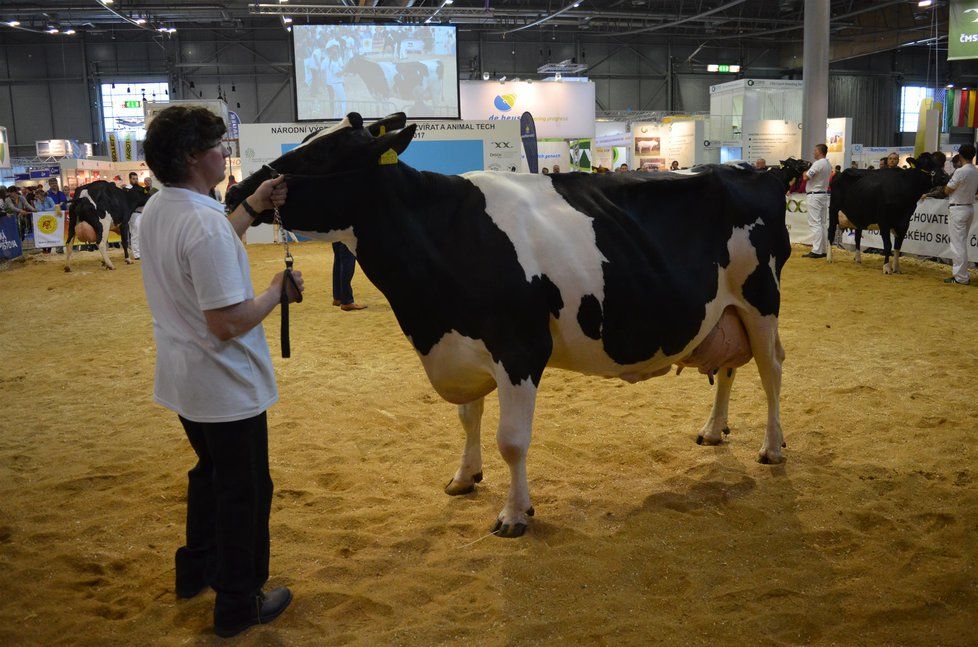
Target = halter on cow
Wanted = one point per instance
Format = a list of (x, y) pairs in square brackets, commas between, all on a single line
[(495, 276)]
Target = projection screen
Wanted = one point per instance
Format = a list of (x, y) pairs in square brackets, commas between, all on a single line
[(375, 70)]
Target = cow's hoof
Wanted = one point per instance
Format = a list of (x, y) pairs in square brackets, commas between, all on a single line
[(67, 269), (456, 488), (129, 261), (708, 440), (726, 431), (887, 269), (508, 531), (767, 457)]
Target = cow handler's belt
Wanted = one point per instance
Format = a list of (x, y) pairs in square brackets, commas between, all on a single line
[(815, 192)]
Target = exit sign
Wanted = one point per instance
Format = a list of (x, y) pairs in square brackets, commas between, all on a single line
[(723, 68), (133, 104)]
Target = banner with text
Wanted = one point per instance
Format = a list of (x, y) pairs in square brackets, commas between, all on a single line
[(49, 229), (560, 109), (927, 235), (10, 246)]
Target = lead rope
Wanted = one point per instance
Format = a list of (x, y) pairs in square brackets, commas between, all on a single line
[(286, 280)]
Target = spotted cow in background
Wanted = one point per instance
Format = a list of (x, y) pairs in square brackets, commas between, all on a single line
[(97, 208), (495, 276)]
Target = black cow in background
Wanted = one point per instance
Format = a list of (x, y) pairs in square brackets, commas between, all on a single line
[(886, 197), (103, 206)]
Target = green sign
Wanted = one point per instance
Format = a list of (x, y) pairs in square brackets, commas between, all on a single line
[(133, 104), (962, 37), (724, 68)]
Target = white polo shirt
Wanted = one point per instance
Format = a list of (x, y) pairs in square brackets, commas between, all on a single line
[(964, 183), (818, 176), (192, 260)]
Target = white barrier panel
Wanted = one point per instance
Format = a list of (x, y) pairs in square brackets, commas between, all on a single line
[(563, 110), (49, 229), (927, 235)]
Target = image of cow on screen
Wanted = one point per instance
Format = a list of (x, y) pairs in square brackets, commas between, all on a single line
[(375, 70)]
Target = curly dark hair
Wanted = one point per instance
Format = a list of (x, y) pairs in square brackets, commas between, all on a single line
[(174, 135)]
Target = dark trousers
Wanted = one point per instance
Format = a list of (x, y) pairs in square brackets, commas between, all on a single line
[(229, 499), (344, 265)]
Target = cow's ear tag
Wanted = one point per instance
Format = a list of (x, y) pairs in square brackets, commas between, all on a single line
[(389, 157)]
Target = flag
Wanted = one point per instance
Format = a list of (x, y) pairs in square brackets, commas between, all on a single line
[(528, 133)]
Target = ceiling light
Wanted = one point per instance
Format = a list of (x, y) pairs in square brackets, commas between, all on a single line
[(283, 1), (950, 85), (172, 30), (161, 29), (286, 19), (925, 3), (485, 76), (447, 2), (577, 4), (14, 23), (140, 21), (69, 32), (52, 30), (289, 29), (106, 1)]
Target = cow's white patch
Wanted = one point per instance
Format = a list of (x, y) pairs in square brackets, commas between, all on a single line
[(551, 237), (344, 236), (323, 133)]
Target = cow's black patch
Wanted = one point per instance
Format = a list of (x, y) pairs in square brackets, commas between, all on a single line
[(551, 293), (589, 316), (664, 237), (760, 288)]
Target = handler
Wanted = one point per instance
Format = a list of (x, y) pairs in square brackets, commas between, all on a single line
[(213, 367), (818, 201)]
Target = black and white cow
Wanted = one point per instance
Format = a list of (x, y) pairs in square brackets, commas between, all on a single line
[(495, 276), (103, 206), (885, 197)]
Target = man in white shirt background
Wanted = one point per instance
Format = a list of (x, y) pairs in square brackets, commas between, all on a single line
[(213, 367), (817, 201), (960, 189)]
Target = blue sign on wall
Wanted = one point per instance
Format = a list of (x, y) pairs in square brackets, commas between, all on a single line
[(10, 246), (450, 157)]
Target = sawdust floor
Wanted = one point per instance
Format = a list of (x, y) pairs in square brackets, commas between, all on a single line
[(866, 535)]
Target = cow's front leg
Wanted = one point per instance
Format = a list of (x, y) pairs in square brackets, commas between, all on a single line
[(124, 234), (765, 343), (68, 249), (715, 428), (516, 403), (470, 471)]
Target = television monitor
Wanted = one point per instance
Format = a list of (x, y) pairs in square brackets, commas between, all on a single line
[(375, 70)]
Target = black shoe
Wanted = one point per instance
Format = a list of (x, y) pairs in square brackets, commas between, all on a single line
[(812, 255), (951, 279), (262, 609)]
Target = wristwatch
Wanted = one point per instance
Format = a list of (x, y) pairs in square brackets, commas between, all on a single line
[(247, 207)]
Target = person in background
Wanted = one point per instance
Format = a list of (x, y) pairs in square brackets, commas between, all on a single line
[(344, 265), (19, 206), (41, 200), (231, 181), (133, 181), (870, 168), (674, 166), (817, 191), (137, 217), (854, 165), (545, 170), (213, 367), (892, 161), (622, 168), (835, 171), (556, 168), (148, 186), (56, 195), (955, 162), (960, 190), (882, 163), (4, 209), (760, 164)]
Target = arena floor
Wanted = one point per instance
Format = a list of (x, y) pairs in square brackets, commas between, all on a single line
[(866, 535)]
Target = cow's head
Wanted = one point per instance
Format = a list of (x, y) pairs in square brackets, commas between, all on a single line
[(324, 162)]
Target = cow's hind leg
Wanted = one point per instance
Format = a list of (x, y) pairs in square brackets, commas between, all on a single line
[(768, 353), (715, 428), (858, 257), (103, 244), (885, 235), (898, 236), (470, 471), (516, 403)]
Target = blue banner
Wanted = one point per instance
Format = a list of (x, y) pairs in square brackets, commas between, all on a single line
[(9, 238), (528, 133)]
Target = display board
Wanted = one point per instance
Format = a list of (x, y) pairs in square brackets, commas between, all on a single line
[(864, 156), (927, 235), (838, 139), (4, 149), (561, 110), (772, 140), (375, 70), (10, 245), (962, 35), (656, 145)]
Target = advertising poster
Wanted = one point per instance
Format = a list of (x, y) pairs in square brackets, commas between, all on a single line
[(49, 229), (4, 149), (647, 146), (838, 138), (580, 155), (562, 110), (10, 246), (962, 35), (528, 135)]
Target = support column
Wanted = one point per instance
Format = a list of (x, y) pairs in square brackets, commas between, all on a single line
[(815, 75)]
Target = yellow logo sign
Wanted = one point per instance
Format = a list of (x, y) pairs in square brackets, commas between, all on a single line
[(47, 224)]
